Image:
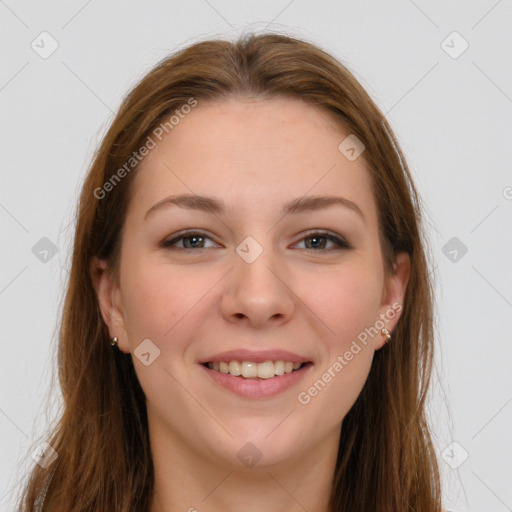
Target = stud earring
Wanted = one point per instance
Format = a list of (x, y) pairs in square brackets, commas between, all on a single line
[(114, 341), (386, 333)]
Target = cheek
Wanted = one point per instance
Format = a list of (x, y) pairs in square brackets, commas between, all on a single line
[(336, 386), (348, 304), (155, 299), (165, 303), (346, 299), (159, 305)]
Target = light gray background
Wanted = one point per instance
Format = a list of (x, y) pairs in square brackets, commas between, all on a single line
[(453, 120)]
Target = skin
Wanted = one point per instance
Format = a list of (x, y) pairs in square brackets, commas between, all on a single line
[(255, 155)]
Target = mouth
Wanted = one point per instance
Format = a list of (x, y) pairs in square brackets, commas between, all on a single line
[(255, 370), (256, 380)]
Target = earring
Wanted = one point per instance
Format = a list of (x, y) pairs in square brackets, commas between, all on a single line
[(114, 341), (386, 333)]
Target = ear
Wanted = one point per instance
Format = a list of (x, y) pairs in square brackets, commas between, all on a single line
[(109, 300), (393, 294)]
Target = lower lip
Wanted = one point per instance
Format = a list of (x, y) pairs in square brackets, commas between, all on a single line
[(258, 388)]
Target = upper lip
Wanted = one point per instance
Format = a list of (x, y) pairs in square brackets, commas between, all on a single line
[(259, 356)]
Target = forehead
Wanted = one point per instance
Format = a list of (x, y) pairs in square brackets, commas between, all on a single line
[(253, 152)]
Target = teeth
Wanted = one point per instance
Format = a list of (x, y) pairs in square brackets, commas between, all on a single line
[(279, 368), (266, 370), (235, 368), (251, 370)]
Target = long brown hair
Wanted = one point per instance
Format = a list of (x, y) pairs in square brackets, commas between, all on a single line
[(386, 460)]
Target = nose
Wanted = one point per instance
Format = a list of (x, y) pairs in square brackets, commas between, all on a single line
[(257, 293)]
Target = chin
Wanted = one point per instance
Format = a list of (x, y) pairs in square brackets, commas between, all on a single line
[(266, 444)]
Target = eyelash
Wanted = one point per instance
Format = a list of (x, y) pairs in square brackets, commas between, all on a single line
[(340, 242)]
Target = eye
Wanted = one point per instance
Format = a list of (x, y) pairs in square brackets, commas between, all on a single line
[(319, 240), (191, 240)]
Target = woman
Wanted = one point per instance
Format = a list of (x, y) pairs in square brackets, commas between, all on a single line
[(248, 321)]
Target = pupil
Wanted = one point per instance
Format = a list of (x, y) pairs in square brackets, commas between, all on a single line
[(315, 238), (194, 239)]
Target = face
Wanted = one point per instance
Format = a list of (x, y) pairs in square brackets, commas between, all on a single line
[(258, 278)]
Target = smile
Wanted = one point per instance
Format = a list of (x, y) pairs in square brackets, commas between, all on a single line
[(251, 370), (246, 382)]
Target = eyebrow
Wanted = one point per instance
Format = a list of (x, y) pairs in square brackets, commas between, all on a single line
[(218, 206)]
